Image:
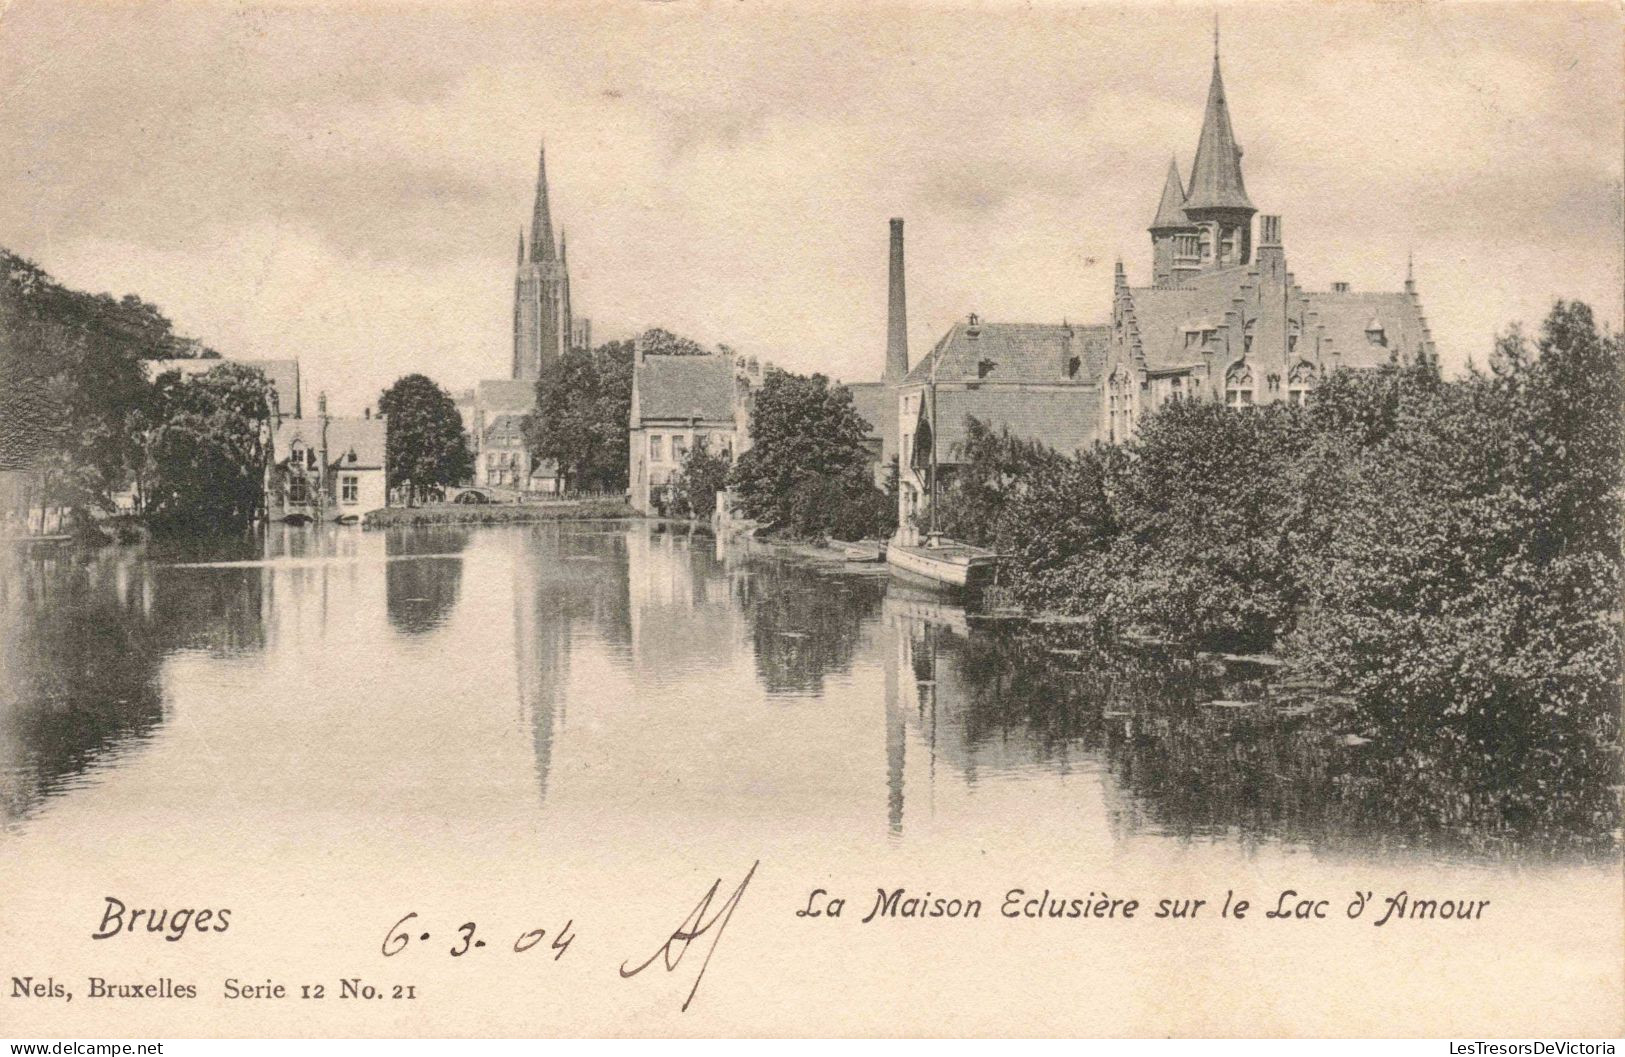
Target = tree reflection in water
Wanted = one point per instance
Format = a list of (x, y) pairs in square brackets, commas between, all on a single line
[(804, 625), (83, 636), (424, 575), (1208, 748)]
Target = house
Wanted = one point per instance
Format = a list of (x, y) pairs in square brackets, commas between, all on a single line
[(1040, 381), (682, 402), (326, 468), (502, 459)]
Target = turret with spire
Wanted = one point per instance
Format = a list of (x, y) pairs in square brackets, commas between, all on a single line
[(1206, 224), (541, 311)]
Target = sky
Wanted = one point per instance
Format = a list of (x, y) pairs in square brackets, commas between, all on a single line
[(345, 183)]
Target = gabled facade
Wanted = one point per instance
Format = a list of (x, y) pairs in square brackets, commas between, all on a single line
[(680, 403), (327, 468)]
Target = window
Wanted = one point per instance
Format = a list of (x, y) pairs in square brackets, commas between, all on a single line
[(1072, 366), (1238, 385), (657, 447), (1375, 334), (679, 447), (1299, 381), (298, 492), (1120, 405), (350, 488)]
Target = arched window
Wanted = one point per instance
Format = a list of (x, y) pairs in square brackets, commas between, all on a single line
[(1120, 405), (1299, 381), (1374, 332), (1238, 385)]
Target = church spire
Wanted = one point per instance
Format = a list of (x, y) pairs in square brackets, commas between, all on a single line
[(1171, 210), (1216, 173), (521, 247), (541, 221)]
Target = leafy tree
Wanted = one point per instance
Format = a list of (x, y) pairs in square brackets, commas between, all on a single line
[(807, 464), (658, 342), (583, 404), (209, 454), (975, 503), (700, 477), (426, 447)]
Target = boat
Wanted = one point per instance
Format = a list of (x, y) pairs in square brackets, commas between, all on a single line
[(944, 561), (939, 559)]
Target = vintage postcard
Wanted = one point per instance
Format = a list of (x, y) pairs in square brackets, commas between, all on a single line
[(833, 519)]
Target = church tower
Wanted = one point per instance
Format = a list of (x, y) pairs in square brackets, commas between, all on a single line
[(541, 294)]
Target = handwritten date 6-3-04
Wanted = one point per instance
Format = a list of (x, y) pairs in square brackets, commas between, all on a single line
[(465, 940)]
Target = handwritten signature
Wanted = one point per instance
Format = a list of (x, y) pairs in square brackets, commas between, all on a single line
[(693, 928)]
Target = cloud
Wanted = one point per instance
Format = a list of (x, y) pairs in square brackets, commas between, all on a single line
[(344, 184)]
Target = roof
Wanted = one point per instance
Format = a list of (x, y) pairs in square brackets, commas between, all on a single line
[(1216, 172), (1345, 317), (364, 436), (505, 394), (876, 404), (1019, 352), (1171, 209), (282, 374), (1161, 315), (1063, 419), (505, 430), (685, 387)]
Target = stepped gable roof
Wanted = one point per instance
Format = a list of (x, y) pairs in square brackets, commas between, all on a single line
[(364, 436), (1343, 319), (1161, 315), (1021, 352), (685, 387), (1064, 419)]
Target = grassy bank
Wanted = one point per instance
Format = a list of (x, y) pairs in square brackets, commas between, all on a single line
[(498, 514)]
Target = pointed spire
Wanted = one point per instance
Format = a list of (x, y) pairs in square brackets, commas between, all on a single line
[(521, 245), (1216, 174), (541, 221), (1171, 210)]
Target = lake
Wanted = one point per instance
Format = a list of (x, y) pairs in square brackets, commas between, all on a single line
[(434, 716)]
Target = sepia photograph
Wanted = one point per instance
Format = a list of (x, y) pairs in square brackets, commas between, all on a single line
[(685, 519)]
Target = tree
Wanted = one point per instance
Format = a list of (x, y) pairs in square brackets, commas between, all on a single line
[(583, 403), (426, 447), (700, 477), (807, 471), (210, 452)]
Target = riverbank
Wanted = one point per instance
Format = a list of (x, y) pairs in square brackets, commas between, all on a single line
[(499, 513)]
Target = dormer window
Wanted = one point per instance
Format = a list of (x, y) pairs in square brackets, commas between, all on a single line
[(984, 367), (1072, 366), (1374, 332)]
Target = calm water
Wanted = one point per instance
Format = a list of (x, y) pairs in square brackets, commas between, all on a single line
[(612, 672)]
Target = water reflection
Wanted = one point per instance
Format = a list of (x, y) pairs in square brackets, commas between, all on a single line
[(638, 668), (424, 576)]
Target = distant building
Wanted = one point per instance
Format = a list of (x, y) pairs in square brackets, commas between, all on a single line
[(1040, 381), (325, 468), (282, 374), (502, 459), (1221, 320), (682, 402)]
